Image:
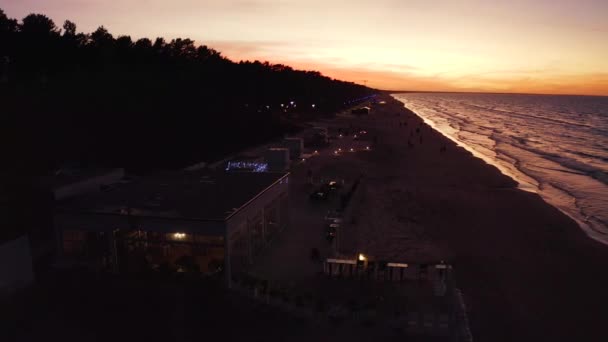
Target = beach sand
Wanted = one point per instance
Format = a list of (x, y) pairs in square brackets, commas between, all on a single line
[(527, 271)]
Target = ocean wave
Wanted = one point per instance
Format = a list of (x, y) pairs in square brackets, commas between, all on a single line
[(570, 165), (548, 144)]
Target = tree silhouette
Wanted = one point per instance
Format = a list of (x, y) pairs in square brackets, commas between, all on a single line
[(38, 25), (101, 38), (69, 29), (99, 100)]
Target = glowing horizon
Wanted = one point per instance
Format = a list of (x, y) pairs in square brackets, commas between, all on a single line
[(542, 46)]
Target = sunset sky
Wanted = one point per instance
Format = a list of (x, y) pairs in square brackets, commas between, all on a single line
[(539, 46)]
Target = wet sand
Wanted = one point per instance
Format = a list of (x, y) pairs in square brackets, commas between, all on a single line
[(527, 271)]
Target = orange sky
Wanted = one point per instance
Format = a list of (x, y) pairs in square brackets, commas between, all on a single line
[(541, 46)]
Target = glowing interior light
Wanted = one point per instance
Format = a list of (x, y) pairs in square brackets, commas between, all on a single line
[(352, 149), (179, 235), (313, 105), (340, 149), (362, 257), (367, 147), (316, 152)]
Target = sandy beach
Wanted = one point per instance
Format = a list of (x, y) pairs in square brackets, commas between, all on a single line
[(527, 271)]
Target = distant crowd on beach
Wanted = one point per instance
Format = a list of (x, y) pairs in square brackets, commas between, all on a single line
[(418, 132)]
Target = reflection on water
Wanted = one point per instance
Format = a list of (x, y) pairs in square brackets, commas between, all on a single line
[(554, 145)]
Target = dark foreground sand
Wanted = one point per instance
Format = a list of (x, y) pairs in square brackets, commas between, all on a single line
[(527, 271)]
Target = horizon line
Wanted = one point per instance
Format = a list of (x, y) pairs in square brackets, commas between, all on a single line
[(483, 92)]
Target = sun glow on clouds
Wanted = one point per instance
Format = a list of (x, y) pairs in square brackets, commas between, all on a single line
[(478, 45)]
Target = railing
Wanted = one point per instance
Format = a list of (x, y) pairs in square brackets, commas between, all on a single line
[(451, 324), (401, 323)]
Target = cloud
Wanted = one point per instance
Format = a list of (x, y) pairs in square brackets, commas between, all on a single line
[(243, 50), (391, 76), (543, 83)]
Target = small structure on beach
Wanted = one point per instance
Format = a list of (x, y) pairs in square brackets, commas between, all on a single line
[(321, 130), (295, 146), (277, 159), (317, 136), (361, 111), (185, 221)]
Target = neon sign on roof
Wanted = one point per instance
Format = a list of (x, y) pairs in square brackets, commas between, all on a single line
[(244, 165)]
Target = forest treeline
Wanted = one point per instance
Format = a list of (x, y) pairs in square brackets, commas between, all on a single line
[(97, 99)]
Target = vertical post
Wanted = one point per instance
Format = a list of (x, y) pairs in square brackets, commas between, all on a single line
[(338, 233), (279, 214), (227, 266), (286, 214), (249, 241), (113, 250), (264, 225), (59, 239)]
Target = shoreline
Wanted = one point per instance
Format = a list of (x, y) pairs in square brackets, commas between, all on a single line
[(528, 183), (525, 267)]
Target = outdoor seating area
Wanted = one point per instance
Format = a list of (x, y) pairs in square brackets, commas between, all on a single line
[(405, 309), (409, 298)]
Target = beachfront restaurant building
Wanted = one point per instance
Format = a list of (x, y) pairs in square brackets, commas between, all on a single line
[(182, 221)]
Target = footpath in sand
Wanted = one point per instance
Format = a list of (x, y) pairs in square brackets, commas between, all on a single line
[(527, 271)]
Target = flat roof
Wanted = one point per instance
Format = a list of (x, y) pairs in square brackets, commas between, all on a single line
[(199, 195), (67, 176)]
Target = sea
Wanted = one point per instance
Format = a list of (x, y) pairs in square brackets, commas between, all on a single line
[(554, 145)]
